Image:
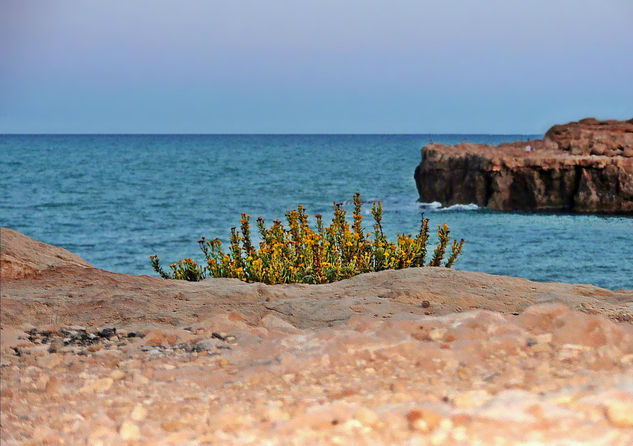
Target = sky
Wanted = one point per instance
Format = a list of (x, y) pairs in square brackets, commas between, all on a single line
[(326, 66)]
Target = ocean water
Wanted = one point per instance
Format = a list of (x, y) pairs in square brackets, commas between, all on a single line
[(116, 199)]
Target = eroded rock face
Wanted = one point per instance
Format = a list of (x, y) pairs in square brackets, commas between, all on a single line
[(592, 137), (584, 166)]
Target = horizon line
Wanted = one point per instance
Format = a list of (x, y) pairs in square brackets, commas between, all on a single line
[(263, 134)]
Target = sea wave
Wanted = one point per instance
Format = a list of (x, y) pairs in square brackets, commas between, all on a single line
[(399, 204), (431, 206), (437, 206), (461, 207)]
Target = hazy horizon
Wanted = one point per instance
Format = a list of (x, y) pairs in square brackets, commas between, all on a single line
[(265, 134), (358, 67)]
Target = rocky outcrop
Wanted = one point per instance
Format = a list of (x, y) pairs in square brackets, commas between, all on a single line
[(22, 257), (584, 166), (67, 288), (415, 356)]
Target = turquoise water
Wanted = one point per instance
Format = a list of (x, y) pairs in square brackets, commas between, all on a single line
[(116, 199)]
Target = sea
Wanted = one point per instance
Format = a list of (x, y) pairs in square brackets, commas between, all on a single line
[(116, 199)]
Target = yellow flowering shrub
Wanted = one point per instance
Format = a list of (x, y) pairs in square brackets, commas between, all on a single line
[(300, 254)]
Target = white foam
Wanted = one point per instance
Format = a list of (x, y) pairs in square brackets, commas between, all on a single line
[(461, 207), (437, 206), (432, 205), (391, 204)]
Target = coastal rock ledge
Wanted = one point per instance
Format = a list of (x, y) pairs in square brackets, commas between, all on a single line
[(418, 356), (584, 167)]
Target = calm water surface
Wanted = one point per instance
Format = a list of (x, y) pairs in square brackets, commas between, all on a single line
[(116, 199)]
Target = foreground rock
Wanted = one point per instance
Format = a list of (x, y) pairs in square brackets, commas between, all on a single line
[(24, 258), (424, 356), (584, 166)]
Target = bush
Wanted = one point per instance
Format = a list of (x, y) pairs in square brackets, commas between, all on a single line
[(299, 254)]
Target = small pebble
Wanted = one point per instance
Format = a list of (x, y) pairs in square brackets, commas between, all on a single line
[(138, 413), (129, 431), (423, 420), (620, 412)]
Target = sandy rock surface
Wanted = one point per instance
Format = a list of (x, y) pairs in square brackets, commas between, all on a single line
[(23, 257), (420, 356)]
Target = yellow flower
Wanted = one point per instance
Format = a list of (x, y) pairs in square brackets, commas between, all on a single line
[(277, 259)]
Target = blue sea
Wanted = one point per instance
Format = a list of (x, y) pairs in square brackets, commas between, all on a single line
[(116, 199)]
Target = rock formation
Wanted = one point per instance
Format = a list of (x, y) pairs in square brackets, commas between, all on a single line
[(23, 257), (418, 356), (584, 167)]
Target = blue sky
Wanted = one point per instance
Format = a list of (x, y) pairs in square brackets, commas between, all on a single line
[(327, 66)]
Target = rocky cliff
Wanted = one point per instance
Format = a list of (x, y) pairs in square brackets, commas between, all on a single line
[(584, 166)]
